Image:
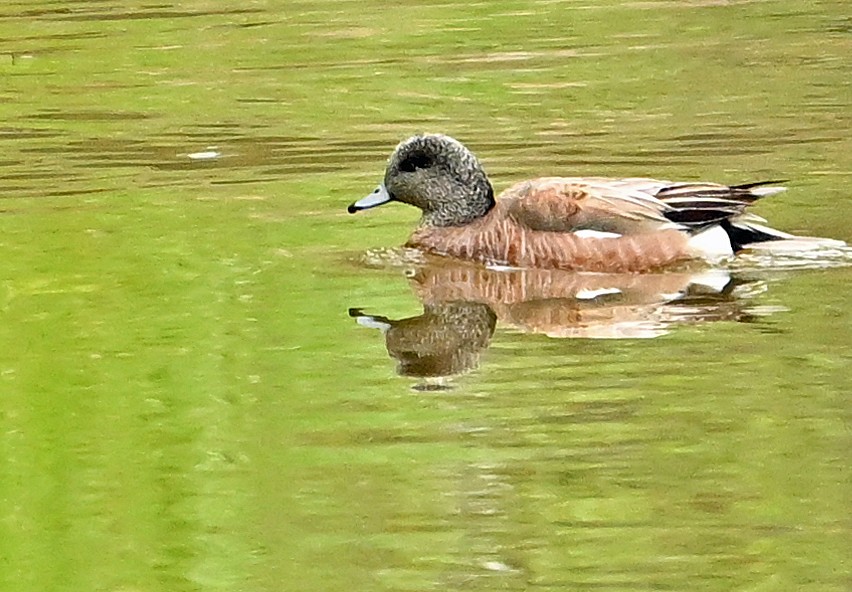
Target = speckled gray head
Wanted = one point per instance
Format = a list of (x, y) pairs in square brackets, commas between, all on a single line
[(438, 175)]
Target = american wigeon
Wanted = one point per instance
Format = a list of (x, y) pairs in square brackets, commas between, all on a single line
[(575, 223)]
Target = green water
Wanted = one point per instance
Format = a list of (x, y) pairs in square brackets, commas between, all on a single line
[(186, 403)]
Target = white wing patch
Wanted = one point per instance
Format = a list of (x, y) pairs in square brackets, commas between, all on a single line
[(586, 233)]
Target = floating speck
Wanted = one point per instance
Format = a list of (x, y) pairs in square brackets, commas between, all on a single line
[(204, 155), (496, 566)]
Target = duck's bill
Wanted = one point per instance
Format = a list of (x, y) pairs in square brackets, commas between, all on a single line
[(378, 197)]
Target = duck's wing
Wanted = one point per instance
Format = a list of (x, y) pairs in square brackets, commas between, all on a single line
[(627, 206), (562, 204)]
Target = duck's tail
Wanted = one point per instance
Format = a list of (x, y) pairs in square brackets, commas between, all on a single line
[(715, 213), (699, 205)]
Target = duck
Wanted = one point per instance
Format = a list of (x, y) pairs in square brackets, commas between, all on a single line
[(595, 224)]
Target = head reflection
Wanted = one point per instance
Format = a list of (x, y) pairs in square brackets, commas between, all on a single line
[(445, 340)]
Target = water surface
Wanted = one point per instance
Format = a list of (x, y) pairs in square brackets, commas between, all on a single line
[(188, 404)]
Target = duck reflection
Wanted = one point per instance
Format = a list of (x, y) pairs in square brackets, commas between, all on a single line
[(463, 303)]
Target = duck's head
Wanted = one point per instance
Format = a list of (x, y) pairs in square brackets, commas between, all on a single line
[(438, 175)]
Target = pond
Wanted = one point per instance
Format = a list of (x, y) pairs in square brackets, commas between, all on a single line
[(213, 378)]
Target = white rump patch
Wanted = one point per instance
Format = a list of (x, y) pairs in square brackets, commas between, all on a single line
[(711, 244), (592, 294), (596, 234)]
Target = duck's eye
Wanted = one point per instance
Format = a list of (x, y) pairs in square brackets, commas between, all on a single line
[(418, 160)]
